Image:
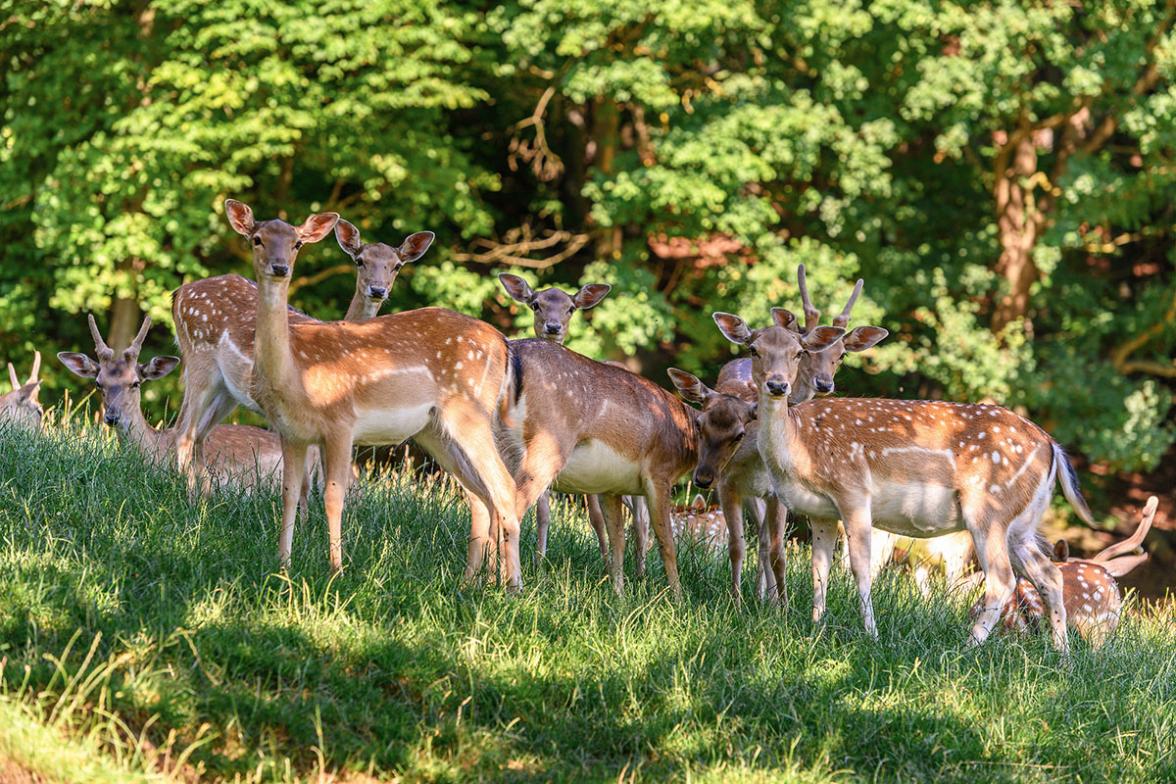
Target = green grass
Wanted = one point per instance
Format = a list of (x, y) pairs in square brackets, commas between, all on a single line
[(157, 637)]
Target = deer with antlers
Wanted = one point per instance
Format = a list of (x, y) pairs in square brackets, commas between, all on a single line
[(917, 468), (238, 454), (728, 444), (215, 331), (1089, 591), (430, 375), (20, 407)]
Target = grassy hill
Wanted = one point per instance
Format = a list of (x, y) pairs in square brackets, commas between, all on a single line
[(143, 636)]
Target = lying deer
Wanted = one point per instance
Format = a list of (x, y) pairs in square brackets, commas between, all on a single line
[(728, 417), (1089, 591), (215, 330), (700, 523), (432, 375), (237, 454), (20, 407), (917, 468)]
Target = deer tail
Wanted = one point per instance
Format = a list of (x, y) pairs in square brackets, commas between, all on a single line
[(1068, 478)]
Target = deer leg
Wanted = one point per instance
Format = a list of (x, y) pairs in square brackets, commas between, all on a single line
[(732, 505), (824, 542), (640, 512), (542, 523), (859, 534), (479, 541), (596, 520), (1047, 579), (765, 579), (776, 518), (337, 471), (293, 471), (658, 501), (993, 553), (610, 508)]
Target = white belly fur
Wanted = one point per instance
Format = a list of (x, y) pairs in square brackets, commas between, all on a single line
[(593, 467), (915, 509), (390, 426)]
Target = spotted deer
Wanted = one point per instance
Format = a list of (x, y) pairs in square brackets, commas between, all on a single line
[(917, 468), (430, 375), (20, 408), (1089, 591), (236, 454), (700, 523), (728, 452), (582, 426), (215, 331)]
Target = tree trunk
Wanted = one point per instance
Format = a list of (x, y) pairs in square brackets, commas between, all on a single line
[(124, 322), (1019, 223), (606, 132)]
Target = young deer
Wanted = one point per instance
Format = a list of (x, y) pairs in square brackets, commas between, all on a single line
[(431, 375), (700, 523), (20, 407), (917, 468), (238, 454), (728, 416), (1089, 591), (215, 331), (553, 309), (583, 426)]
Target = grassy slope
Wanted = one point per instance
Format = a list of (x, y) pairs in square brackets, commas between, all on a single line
[(168, 632)]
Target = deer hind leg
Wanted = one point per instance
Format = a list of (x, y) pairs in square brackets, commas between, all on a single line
[(337, 472), (479, 542), (824, 542), (542, 523), (293, 473), (859, 535), (776, 519), (596, 520), (610, 509), (640, 511), (658, 501), (992, 551), (201, 378), (732, 505)]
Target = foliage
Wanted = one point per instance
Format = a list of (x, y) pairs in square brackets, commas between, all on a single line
[(1000, 173)]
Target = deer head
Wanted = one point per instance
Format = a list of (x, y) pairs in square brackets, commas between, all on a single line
[(21, 406), (722, 425), (379, 264), (776, 351), (118, 374), (276, 243), (552, 307)]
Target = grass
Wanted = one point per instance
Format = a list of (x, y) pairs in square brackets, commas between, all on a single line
[(146, 637)]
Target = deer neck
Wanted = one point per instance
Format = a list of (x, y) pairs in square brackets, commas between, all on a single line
[(362, 307), (138, 433), (776, 431), (273, 361)]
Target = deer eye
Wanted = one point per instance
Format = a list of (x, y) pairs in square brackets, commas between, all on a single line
[(751, 350), (257, 240), (99, 386), (571, 310), (297, 244), (739, 437), (359, 262), (535, 306), (134, 385)]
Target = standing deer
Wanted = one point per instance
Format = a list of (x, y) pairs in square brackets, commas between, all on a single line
[(20, 407), (431, 375), (583, 426), (215, 331), (728, 417), (238, 454), (1089, 591), (917, 468)]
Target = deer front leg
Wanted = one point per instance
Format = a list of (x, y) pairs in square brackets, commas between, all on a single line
[(993, 554), (657, 498), (337, 470), (776, 519), (293, 471), (824, 542), (596, 520), (640, 512), (610, 508), (765, 580), (859, 533), (479, 541), (731, 502), (542, 523)]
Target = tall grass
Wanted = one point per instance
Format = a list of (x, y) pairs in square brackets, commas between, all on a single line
[(154, 636)]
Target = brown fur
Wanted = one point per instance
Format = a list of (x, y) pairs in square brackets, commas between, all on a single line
[(20, 407)]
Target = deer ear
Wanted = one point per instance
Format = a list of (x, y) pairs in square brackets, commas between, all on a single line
[(590, 296), (733, 328), (753, 410), (785, 318), (862, 338), (415, 245), (518, 289), (240, 216), (79, 364), (1061, 551), (821, 338), (348, 238), (158, 367), (699, 503), (317, 226), (688, 386)]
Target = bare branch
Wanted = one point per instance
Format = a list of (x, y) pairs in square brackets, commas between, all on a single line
[(519, 246)]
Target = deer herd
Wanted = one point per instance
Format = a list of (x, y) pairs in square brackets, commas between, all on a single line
[(511, 420)]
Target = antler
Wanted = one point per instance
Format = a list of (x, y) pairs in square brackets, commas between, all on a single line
[(1136, 539), (843, 319), (12, 376), (104, 351), (812, 316), (137, 344), (36, 371)]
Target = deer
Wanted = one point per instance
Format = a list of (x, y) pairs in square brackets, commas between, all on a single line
[(431, 375), (1089, 591), (215, 331), (916, 468), (581, 426), (238, 454), (20, 408), (700, 523), (728, 416)]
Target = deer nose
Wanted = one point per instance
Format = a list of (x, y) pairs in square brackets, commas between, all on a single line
[(111, 418), (704, 478), (552, 329), (378, 292), (279, 270), (824, 386), (777, 388)]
